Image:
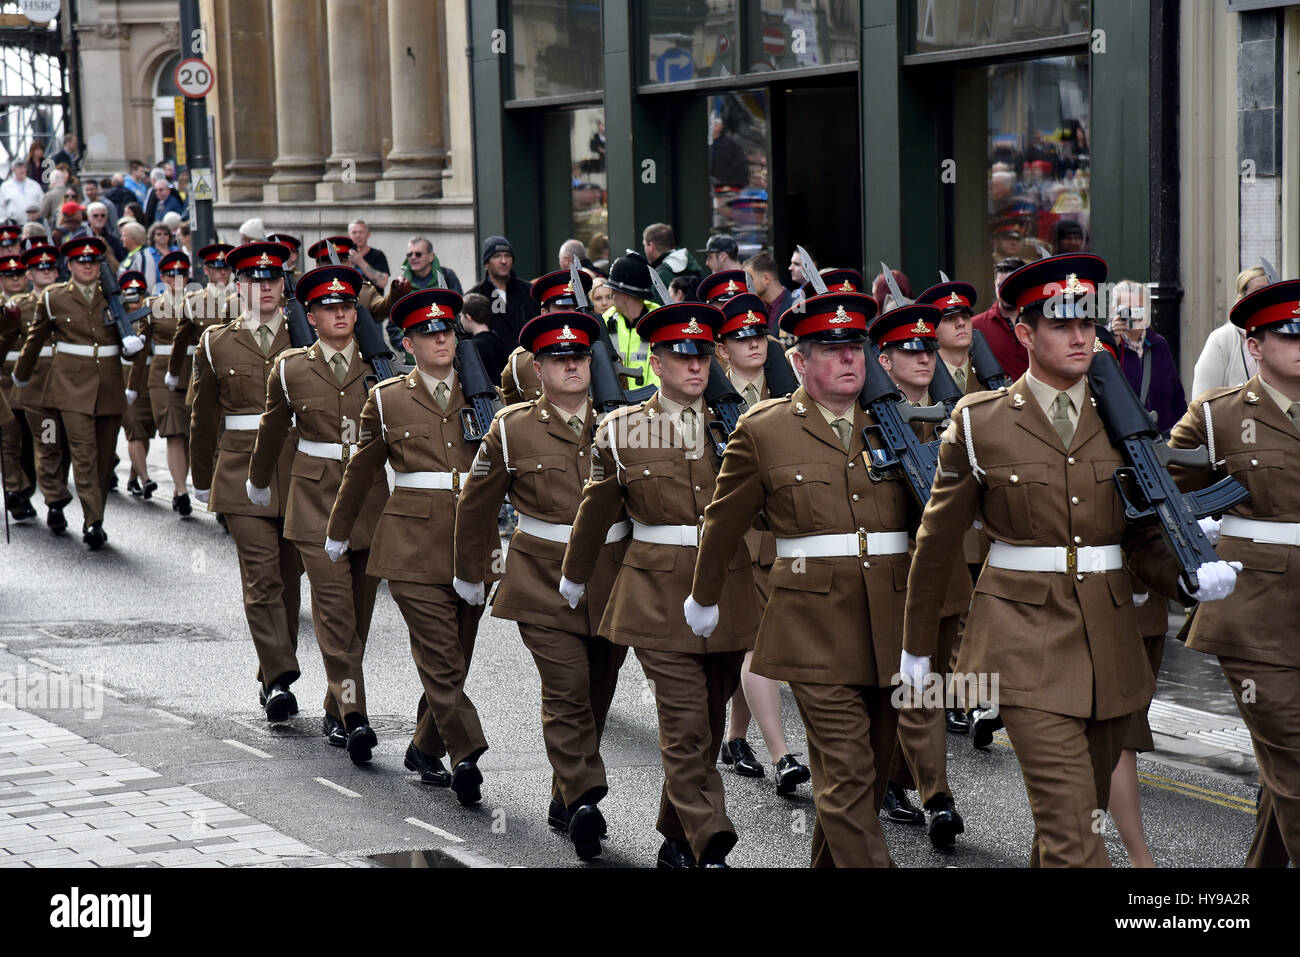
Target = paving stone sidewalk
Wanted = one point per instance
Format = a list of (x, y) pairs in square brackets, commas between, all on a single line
[(65, 802)]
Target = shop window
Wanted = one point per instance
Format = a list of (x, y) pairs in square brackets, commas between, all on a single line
[(556, 48), (796, 34), (689, 40), (738, 168), (589, 180), (959, 24)]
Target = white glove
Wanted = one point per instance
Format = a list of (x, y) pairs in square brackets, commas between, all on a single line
[(335, 549), (913, 669), (19, 383), (201, 495), (1217, 580), (571, 591), (172, 381), (131, 396), (702, 618), (471, 593), (1210, 526), (258, 496), (1140, 598), (131, 345)]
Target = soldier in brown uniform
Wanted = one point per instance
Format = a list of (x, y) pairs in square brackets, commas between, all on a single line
[(138, 425), (323, 388), (15, 438), (85, 378), (215, 303), (841, 545), (377, 301), (413, 422), (1253, 433), (655, 460), (539, 453), (1052, 615), (552, 293), (49, 440), (231, 369)]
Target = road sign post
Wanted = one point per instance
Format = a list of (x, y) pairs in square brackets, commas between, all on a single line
[(195, 78)]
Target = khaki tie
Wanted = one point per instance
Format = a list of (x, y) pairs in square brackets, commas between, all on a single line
[(442, 395), (843, 428), (688, 426), (1061, 418), (1293, 413), (751, 395), (959, 376), (264, 339), (340, 365), (575, 423)]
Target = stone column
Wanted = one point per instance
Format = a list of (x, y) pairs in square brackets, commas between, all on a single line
[(298, 100), (354, 161), (244, 72), (417, 63)]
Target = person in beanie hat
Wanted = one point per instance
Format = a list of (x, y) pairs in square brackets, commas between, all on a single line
[(511, 297)]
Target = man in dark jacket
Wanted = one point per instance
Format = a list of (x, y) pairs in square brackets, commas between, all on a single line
[(511, 298)]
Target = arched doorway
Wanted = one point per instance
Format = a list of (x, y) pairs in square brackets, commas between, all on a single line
[(164, 111)]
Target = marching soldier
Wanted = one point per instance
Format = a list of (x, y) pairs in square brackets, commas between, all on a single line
[(16, 437), (841, 547), (413, 422), (138, 423), (85, 378), (215, 303), (322, 388), (376, 300), (231, 368), (721, 286), (655, 460), (539, 453), (291, 243), (552, 293), (10, 241), (1052, 615), (1253, 434)]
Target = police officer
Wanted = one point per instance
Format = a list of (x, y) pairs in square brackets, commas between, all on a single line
[(552, 293), (322, 388), (231, 368), (632, 301), (539, 453), (413, 422), (654, 459)]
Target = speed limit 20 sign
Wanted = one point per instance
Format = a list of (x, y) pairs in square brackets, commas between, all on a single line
[(194, 77)]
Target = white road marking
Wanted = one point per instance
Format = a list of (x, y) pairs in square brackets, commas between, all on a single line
[(337, 787), (436, 830), (244, 747), (42, 663), (171, 717), (114, 694)]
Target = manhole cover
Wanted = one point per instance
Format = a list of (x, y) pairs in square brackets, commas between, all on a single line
[(82, 634), (309, 726)]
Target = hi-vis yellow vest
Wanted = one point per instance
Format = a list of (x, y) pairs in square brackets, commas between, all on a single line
[(634, 353)]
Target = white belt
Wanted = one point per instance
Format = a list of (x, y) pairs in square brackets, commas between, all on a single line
[(843, 544), (444, 481), (1056, 558), (166, 350), (554, 532), (326, 450), (687, 536), (45, 353), (96, 350), (242, 423), (1268, 533)]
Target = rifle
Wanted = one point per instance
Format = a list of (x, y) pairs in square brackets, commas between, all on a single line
[(476, 385), (370, 341), (985, 365), (1151, 491), (301, 332), (604, 363), (899, 449), (117, 314), (777, 372)]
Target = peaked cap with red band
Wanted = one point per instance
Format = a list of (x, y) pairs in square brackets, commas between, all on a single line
[(176, 261), (950, 297), (10, 234), (319, 251), (216, 254), (1069, 277), (912, 328), (560, 334), (830, 317), (426, 310), (258, 260), (86, 249), (328, 285), (292, 243), (1106, 342), (683, 327), (744, 316), (838, 280), (132, 282), (1275, 307), (41, 254), (556, 289), (721, 286), (12, 264)]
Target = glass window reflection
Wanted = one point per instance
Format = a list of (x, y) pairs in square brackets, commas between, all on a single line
[(738, 158), (958, 24), (556, 47), (689, 39), (794, 34)]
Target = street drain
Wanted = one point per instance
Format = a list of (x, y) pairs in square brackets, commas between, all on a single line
[(415, 859)]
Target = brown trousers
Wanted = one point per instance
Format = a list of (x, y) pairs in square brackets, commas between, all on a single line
[(851, 737), (1066, 763), (342, 601), (50, 445), (691, 695), (1273, 717), (14, 437), (92, 440), (921, 758), (579, 675), (443, 628), (269, 570)]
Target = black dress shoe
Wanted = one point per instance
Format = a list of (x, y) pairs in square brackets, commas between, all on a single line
[(54, 518), (957, 721), (431, 770), (112, 482), (557, 816), (95, 536), (899, 809), (280, 702), (586, 825), (361, 742), (181, 503), (334, 732), (147, 490), (790, 774), (20, 506), (133, 486), (466, 781), (945, 822), (983, 723), (675, 854), (739, 754)]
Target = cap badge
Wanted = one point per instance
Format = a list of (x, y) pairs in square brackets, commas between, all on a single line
[(568, 287), (1097, 346), (336, 286), (731, 286), (693, 328), (1296, 310), (847, 286), (750, 318), (566, 333), (265, 260), (840, 315), (954, 300), (1073, 286), (921, 329), (435, 312)]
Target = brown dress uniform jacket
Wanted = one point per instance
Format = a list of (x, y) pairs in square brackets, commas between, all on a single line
[(402, 425), (519, 382), (639, 463), (1066, 644), (12, 334), (230, 374), (303, 388), (91, 385), (531, 453), (210, 306), (148, 376)]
